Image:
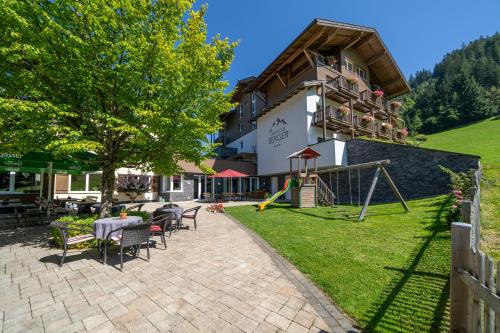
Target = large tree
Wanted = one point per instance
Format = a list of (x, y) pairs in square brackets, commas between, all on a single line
[(134, 81)]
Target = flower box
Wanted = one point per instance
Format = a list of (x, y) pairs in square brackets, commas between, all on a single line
[(343, 110), (368, 118)]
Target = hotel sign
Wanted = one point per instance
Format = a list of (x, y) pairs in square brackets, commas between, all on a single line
[(278, 133)]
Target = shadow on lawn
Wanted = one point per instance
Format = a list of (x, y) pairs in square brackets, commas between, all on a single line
[(417, 299)]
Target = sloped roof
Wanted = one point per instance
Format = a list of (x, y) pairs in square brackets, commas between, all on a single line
[(220, 165), (322, 34), (306, 153)]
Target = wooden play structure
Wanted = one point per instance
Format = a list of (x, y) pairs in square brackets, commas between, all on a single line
[(305, 193)]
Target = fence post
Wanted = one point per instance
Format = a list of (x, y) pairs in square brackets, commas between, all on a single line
[(460, 258)]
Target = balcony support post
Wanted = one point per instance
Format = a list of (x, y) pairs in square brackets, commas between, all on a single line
[(323, 107), (351, 110)]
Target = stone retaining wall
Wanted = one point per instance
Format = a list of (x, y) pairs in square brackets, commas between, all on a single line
[(415, 171)]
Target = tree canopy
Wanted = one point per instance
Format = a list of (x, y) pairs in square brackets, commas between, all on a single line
[(135, 81), (463, 87)]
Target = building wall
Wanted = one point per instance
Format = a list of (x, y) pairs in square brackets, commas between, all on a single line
[(415, 171), (275, 143), (249, 141), (187, 192)]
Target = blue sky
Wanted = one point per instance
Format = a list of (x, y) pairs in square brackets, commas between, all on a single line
[(418, 33)]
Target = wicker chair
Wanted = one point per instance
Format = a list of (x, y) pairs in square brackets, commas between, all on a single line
[(160, 224), (137, 206), (191, 214), (131, 236), (65, 228)]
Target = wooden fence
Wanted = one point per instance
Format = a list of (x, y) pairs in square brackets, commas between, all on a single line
[(474, 294)]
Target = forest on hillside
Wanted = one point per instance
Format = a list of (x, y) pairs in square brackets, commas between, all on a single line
[(463, 87)]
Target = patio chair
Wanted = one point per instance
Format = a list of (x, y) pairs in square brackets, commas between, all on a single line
[(137, 206), (191, 214), (132, 236), (160, 224), (64, 230), (170, 205)]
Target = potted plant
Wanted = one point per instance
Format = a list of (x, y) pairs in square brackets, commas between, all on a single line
[(378, 93), (368, 118), (343, 110), (395, 105), (352, 80), (403, 132), (123, 213)]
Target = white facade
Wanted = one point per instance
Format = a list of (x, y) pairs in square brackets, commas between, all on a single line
[(288, 128), (246, 144)]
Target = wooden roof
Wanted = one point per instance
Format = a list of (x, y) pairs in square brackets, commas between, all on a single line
[(306, 153), (219, 165), (323, 34)]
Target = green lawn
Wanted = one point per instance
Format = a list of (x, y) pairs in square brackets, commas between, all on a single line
[(389, 272), (483, 139)]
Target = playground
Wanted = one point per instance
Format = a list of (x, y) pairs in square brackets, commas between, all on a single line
[(389, 272)]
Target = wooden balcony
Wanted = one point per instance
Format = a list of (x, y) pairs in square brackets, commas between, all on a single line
[(363, 126), (344, 88), (398, 137), (335, 120), (383, 132), (370, 99)]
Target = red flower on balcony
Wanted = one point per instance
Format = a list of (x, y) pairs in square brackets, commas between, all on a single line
[(396, 104), (368, 118), (379, 93), (404, 132)]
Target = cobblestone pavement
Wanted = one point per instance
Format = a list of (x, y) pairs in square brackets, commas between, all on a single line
[(219, 278)]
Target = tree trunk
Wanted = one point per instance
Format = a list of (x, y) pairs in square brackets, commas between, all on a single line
[(108, 187)]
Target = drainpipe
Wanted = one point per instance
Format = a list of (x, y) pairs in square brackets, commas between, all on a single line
[(323, 106)]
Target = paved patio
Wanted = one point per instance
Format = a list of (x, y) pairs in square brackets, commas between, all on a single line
[(219, 278)]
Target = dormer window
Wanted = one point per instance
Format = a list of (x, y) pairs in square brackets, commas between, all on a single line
[(349, 65), (362, 73)]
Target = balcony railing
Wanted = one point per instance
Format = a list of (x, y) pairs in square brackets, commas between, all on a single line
[(363, 125), (383, 131), (332, 115), (345, 86), (371, 99)]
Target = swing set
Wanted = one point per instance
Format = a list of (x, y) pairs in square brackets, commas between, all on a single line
[(379, 169)]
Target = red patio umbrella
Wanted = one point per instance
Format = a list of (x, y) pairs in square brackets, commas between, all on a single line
[(229, 173)]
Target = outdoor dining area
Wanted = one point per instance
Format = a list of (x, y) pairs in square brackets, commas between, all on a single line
[(230, 185), (128, 232)]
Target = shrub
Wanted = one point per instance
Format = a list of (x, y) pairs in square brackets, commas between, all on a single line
[(421, 137), (462, 186), (87, 220)]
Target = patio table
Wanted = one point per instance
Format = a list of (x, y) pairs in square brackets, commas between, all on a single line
[(103, 226), (177, 211)]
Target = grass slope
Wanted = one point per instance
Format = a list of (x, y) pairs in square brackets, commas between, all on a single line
[(483, 139), (389, 272)]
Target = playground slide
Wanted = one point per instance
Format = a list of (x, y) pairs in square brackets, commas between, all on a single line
[(289, 183)]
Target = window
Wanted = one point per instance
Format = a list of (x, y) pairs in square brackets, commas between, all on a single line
[(254, 124), (348, 65), (95, 182), (172, 183), (89, 182), (20, 182), (176, 183), (77, 183), (27, 182), (241, 144), (241, 127), (254, 104), (4, 181), (362, 73), (241, 111)]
